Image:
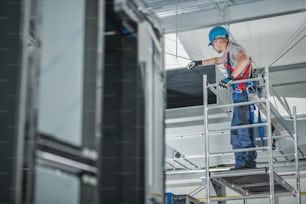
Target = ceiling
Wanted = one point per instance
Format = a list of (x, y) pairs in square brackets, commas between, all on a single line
[(182, 15)]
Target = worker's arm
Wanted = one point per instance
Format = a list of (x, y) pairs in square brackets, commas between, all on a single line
[(242, 62), (215, 60), (195, 63)]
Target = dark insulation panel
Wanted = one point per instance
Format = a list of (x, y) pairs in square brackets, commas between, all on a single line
[(185, 87)]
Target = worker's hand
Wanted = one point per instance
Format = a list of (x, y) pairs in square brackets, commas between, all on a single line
[(193, 64), (223, 84)]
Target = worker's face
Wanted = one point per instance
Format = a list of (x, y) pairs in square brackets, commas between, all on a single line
[(219, 44)]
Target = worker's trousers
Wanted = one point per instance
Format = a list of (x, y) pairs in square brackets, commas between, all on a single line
[(243, 137)]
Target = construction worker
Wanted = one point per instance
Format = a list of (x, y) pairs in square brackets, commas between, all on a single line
[(238, 65)]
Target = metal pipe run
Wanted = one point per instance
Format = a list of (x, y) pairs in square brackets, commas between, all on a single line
[(296, 153), (205, 104), (269, 134)]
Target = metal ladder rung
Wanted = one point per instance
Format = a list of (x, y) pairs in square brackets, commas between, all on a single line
[(239, 150), (237, 104), (237, 82), (281, 136), (239, 127)]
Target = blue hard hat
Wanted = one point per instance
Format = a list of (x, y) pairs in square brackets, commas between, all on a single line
[(216, 32)]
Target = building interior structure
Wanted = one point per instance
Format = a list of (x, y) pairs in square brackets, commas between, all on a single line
[(97, 104)]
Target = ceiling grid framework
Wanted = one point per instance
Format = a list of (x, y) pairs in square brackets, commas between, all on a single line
[(166, 8), (178, 15)]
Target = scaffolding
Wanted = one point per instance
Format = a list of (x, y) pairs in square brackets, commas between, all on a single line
[(261, 182)]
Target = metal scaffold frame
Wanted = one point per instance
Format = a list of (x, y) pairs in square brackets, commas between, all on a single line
[(263, 103)]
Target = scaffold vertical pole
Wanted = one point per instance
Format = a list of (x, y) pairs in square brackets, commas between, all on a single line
[(206, 138), (269, 135), (296, 154)]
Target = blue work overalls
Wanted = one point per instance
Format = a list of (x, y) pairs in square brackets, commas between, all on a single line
[(243, 137)]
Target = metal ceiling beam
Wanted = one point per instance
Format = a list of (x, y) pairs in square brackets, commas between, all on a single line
[(232, 14)]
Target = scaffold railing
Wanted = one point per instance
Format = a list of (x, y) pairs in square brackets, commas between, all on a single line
[(273, 184)]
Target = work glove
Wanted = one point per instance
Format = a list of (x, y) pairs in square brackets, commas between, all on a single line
[(223, 84), (193, 64)]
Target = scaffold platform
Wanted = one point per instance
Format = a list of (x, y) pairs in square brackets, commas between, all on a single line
[(251, 181)]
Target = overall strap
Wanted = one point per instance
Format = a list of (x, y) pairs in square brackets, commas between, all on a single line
[(245, 74), (242, 86)]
